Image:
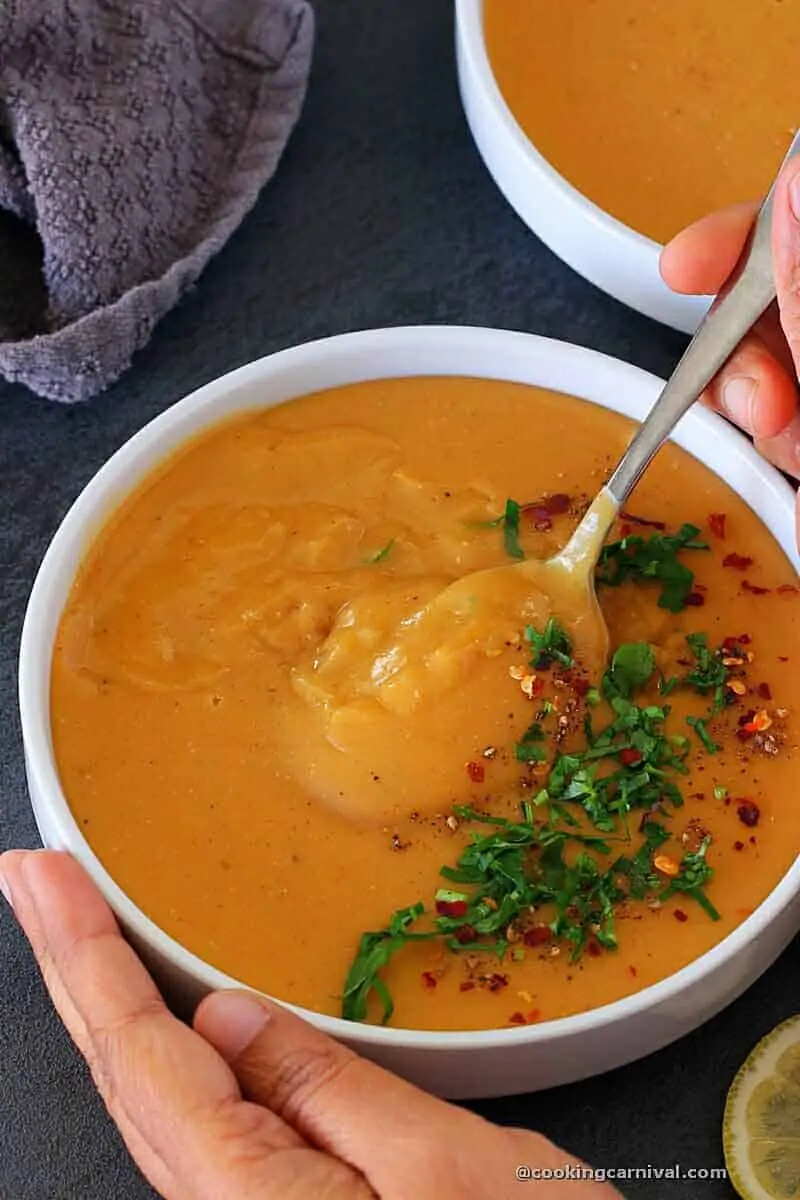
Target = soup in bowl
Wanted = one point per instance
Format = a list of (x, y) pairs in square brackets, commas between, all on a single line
[(611, 126), (457, 838)]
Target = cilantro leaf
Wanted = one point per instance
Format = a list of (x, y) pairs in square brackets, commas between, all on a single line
[(653, 558), (631, 666), (511, 530), (553, 645)]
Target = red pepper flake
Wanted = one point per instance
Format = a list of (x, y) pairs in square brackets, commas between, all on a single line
[(786, 589), (537, 936), (451, 908), (517, 1018), (476, 772), (738, 845), (429, 980), (495, 982), (540, 517), (680, 915), (466, 935), (744, 734), (746, 718), (754, 589), (783, 658), (593, 948), (466, 985), (695, 599), (558, 503), (748, 812), (739, 562), (533, 1015), (752, 841), (630, 756), (716, 523), (632, 971), (626, 516), (625, 531), (764, 692), (579, 685)]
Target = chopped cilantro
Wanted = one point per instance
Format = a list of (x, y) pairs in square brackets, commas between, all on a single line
[(511, 530), (631, 667), (656, 558), (709, 674), (553, 645), (383, 553), (699, 726), (528, 748)]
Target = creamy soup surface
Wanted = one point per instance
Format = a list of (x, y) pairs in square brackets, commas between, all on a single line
[(658, 112), (239, 755)]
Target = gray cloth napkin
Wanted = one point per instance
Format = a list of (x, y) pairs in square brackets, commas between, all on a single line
[(134, 137)]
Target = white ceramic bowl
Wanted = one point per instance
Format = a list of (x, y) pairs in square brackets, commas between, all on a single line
[(609, 254), (454, 1064)]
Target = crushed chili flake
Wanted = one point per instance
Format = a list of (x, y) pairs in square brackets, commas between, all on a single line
[(748, 812), (754, 589), (760, 722), (626, 516), (517, 1018), (429, 980), (783, 658), (579, 685), (558, 503), (494, 982), (739, 562), (451, 908), (632, 971), (786, 589), (398, 843), (476, 772), (738, 845), (466, 935), (540, 517), (680, 915), (747, 717), (716, 523), (466, 985), (695, 599), (630, 756), (665, 864), (537, 936), (764, 692), (593, 948)]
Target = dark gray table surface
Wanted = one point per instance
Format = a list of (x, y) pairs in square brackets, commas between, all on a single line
[(381, 214)]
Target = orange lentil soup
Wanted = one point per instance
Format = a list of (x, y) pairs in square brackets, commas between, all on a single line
[(630, 816), (658, 112)]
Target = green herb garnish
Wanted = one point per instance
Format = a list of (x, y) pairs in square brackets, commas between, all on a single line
[(529, 748), (383, 553), (709, 674), (511, 530), (631, 667), (699, 726), (553, 645), (652, 558)]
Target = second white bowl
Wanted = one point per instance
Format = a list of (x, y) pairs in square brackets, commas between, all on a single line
[(610, 255)]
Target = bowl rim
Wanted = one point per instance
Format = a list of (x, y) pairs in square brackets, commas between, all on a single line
[(469, 22), (81, 523)]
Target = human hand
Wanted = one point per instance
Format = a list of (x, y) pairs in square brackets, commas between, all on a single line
[(757, 389), (252, 1101)]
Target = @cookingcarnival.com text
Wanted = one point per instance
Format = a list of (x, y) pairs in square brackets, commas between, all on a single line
[(571, 1171)]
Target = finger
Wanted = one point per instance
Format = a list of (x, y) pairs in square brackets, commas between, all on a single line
[(700, 258), (784, 450), (786, 254), (754, 389), (386, 1128), (177, 1103)]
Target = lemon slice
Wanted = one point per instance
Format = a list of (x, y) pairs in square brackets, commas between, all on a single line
[(761, 1126)]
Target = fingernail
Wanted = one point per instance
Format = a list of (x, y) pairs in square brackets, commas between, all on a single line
[(232, 1020), (738, 400), (5, 888)]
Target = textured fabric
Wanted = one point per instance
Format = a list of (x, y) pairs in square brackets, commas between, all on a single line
[(134, 136)]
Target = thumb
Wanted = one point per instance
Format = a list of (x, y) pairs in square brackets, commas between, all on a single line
[(786, 254), (403, 1141)]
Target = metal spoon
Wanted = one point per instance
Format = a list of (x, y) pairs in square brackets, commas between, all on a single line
[(745, 297)]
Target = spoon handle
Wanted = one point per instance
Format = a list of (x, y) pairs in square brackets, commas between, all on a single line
[(746, 295)]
